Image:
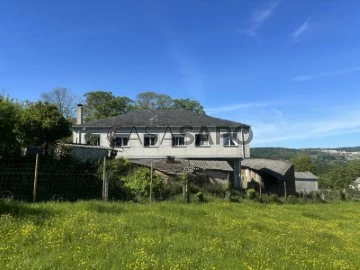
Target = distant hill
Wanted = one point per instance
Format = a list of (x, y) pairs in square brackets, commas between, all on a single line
[(324, 158), (348, 149)]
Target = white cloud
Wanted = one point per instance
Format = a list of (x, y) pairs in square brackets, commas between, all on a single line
[(259, 16), (236, 107), (310, 77), (280, 132), (301, 29), (339, 125)]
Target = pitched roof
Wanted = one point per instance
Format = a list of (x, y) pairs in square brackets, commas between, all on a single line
[(179, 166), (217, 165), (162, 118), (357, 181), (174, 168), (305, 176), (75, 145), (274, 167)]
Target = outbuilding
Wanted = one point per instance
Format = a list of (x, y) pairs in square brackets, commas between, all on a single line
[(306, 182), (268, 176)]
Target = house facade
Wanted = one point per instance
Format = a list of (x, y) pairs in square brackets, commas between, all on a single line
[(156, 134)]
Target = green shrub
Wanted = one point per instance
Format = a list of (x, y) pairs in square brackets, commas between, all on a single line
[(315, 195), (116, 169), (138, 182), (292, 199), (217, 190), (274, 198), (270, 198), (342, 195), (251, 194), (200, 196), (193, 188), (174, 188)]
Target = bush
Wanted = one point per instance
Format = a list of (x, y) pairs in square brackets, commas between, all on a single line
[(138, 183), (342, 195), (193, 188), (200, 197), (315, 196), (174, 188), (251, 194), (116, 169), (291, 199), (217, 190), (272, 198)]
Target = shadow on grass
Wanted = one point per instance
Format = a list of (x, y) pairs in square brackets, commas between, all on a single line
[(105, 208), (23, 210)]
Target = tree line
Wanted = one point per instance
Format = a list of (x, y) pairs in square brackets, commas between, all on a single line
[(43, 122), (103, 104)]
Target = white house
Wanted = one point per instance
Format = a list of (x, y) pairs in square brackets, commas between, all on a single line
[(356, 184), (169, 132)]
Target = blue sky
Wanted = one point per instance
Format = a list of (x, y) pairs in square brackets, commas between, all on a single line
[(290, 69)]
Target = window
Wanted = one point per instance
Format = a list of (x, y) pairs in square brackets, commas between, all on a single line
[(93, 139), (150, 140), (202, 140), (121, 140), (229, 140), (178, 140)]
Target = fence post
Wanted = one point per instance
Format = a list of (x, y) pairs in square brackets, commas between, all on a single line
[(228, 188), (104, 179), (36, 177), (285, 193), (151, 182), (185, 179), (106, 187), (187, 189)]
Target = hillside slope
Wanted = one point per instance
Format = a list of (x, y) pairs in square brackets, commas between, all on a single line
[(323, 158)]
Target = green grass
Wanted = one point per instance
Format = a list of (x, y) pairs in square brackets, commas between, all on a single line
[(171, 235)]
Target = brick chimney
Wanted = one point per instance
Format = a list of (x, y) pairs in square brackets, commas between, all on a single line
[(80, 114)]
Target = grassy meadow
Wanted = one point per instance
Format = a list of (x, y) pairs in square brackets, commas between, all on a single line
[(173, 235)]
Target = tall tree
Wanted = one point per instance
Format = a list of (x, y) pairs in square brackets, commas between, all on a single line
[(42, 124), (153, 101), (303, 163), (102, 104), (163, 101), (63, 98), (188, 104), (9, 115), (340, 176)]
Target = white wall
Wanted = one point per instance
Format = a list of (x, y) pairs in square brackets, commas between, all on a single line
[(164, 146), (306, 186)]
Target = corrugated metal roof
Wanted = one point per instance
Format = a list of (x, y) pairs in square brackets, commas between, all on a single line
[(278, 166), (305, 175), (219, 165)]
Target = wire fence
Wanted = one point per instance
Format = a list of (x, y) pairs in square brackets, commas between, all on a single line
[(48, 179), (56, 179)]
